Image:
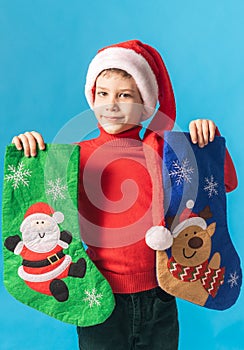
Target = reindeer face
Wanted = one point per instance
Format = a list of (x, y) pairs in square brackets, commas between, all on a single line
[(192, 246)]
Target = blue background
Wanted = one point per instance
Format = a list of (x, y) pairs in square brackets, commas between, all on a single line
[(45, 50)]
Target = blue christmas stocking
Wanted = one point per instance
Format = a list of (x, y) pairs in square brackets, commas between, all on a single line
[(201, 265), (45, 263)]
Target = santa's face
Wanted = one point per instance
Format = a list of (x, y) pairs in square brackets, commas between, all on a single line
[(40, 233)]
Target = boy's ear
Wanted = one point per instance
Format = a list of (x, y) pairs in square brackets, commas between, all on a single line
[(144, 114), (147, 112)]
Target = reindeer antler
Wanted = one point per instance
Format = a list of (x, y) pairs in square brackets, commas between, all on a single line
[(206, 213), (172, 221)]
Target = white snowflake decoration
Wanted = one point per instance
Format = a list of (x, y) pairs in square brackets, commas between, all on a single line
[(181, 171), (211, 186), (93, 297), (19, 176), (233, 279), (56, 189)]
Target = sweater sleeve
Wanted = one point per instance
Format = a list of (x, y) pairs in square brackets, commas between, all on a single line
[(230, 176)]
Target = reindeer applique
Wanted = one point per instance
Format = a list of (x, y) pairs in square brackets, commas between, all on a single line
[(188, 272)]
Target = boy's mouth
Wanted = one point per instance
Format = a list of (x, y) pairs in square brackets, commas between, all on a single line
[(112, 118)]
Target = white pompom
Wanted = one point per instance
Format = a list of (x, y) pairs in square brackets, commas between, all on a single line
[(159, 238), (190, 204), (58, 217)]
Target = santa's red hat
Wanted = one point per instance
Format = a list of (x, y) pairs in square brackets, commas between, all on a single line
[(188, 218), (145, 65), (41, 210)]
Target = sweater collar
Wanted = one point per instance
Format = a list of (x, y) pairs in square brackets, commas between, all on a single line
[(128, 138)]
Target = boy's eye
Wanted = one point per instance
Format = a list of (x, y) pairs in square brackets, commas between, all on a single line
[(125, 95), (101, 93)]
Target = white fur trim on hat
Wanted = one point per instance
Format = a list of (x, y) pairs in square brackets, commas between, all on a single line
[(159, 238), (58, 217), (130, 61), (195, 221)]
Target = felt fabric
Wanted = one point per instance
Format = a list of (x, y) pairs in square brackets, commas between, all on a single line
[(211, 278), (45, 263), (202, 265)]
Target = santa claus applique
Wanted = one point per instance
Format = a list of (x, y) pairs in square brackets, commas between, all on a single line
[(44, 264)]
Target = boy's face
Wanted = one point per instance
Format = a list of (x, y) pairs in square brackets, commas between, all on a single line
[(118, 105)]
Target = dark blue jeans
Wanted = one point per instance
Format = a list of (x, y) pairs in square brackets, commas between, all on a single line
[(145, 320)]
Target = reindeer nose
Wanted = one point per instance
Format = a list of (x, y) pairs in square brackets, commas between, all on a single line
[(195, 242)]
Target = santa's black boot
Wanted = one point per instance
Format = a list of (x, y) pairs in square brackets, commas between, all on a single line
[(78, 269), (59, 290)]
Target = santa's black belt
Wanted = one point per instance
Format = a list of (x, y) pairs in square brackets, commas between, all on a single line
[(45, 262)]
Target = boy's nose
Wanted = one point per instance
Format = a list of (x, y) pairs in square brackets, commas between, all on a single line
[(112, 105)]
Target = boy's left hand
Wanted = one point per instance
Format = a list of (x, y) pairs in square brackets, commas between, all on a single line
[(202, 131)]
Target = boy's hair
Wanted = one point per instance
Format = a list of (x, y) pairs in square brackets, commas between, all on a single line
[(106, 72)]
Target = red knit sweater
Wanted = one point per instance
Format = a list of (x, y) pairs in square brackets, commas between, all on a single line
[(116, 209), (120, 198)]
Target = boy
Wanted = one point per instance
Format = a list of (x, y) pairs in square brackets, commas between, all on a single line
[(118, 192)]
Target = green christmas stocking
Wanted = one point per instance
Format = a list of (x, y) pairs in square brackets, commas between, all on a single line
[(45, 263)]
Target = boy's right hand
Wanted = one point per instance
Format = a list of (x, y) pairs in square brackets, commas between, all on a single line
[(28, 141)]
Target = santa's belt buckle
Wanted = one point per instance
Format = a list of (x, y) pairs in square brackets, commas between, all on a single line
[(53, 258)]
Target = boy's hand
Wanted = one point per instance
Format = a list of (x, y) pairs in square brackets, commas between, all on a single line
[(202, 131), (28, 142)]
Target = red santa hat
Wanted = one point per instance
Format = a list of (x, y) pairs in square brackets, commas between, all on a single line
[(188, 218), (41, 210), (146, 66)]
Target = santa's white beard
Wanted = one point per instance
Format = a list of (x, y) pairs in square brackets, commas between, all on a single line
[(41, 240)]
